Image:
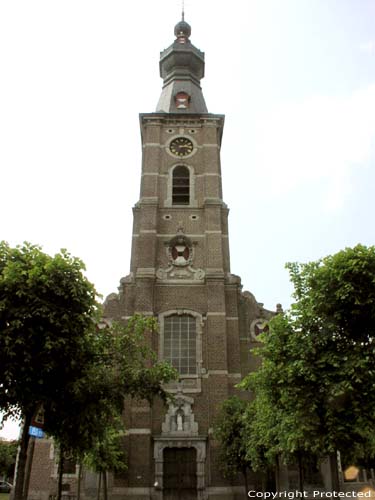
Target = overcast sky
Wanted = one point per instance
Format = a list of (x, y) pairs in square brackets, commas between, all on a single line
[(295, 79)]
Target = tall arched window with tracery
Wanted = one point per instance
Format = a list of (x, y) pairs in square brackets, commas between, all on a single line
[(180, 343), (181, 186)]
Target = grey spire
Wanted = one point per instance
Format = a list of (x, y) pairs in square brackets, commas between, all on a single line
[(182, 68)]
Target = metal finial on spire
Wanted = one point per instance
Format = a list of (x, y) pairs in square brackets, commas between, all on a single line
[(182, 29)]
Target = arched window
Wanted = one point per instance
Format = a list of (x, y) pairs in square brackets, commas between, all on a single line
[(180, 343), (181, 186)]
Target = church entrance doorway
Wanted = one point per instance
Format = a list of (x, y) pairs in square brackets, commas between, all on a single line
[(180, 474)]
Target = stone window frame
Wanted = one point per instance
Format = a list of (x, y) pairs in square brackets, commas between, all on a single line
[(168, 203), (181, 186), (180, 343), (199, 332)]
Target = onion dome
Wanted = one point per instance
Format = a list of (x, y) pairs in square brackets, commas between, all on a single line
[(182, 29)]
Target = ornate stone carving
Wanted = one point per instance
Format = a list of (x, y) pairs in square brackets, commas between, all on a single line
[(180, 250), (179, 419), (162, 274), (180, 255), (199, 274), (171, 273), (127, 279)]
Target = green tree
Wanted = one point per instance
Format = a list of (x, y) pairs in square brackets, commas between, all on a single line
[(280, 424), (123, 365), (48, 311), (230, 431), (335, 309), (8, 453), (318, 369), (262, 447), (107, 454), (55, 353)]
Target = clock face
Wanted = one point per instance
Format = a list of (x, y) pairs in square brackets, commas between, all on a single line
[(181, 146)]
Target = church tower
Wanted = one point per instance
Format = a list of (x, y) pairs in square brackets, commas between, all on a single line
[(180, 274)]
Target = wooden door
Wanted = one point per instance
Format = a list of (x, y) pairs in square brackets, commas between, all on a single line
[(180, 474)]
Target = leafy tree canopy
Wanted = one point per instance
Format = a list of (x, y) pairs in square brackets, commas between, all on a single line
[(8, 453), (55, 354), (334, 321), (123, 366), (47, 310), (48, 313), (318, 371), (108, 452), (230, 432)]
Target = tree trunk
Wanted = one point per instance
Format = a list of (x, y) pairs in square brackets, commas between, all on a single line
[(277, 473), (270, 485), (61, 471), (29, 465), (264, 481), (300, 472), (99, 485), (80, 469), (105, 487), (22, 457), (334, 472), (244, 472)]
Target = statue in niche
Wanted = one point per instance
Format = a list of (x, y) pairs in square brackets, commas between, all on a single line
[(180, 419)]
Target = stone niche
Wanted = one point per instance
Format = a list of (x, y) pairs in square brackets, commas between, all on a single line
[(179, 419)]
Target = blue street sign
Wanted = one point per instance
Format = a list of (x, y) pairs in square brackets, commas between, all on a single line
[(36, 432)]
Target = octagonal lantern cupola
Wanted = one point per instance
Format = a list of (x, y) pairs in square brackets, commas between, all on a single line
[(182, 68)]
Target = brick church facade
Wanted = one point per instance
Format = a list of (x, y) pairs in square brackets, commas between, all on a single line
[(180, 274)]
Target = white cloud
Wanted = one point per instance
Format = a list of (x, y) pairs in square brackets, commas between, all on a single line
[(322, 139)]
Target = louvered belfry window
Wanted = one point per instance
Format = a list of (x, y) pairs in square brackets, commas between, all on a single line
[(181, 186), (180, 343)]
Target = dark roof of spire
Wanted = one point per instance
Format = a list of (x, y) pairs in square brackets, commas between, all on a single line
[(182, 67)]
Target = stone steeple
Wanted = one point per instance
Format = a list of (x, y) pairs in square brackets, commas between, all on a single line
[(182, 68), (180, 275)]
